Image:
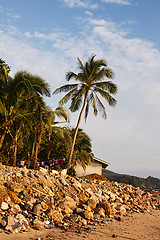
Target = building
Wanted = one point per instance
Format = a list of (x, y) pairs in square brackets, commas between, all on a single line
[(94, 167)]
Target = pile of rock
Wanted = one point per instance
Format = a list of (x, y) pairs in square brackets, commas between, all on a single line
[(38, 199)]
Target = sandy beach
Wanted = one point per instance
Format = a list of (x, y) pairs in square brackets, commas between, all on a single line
[(137, 226)]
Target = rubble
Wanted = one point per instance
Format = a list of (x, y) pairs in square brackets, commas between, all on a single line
[(38, 199)]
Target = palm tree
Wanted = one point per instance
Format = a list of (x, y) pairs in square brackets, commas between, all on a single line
[(22, 97), (88, 90), (61, 113), (4, 76)]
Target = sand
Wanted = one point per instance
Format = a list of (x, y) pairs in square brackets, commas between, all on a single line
[(137, 226)]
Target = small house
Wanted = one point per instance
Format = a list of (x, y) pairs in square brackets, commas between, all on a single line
[(95, 166)]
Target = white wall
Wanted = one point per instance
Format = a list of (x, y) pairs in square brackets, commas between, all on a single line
[(94, 167)]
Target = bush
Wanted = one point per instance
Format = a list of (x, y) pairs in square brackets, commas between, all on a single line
[(71, 172), (4, 159)]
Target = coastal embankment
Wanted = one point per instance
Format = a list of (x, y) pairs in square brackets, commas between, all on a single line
[(37, 204)]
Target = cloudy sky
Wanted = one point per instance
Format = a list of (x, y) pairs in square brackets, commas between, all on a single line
[(45, 37)]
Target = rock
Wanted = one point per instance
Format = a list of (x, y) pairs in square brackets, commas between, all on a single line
[(122, 209), (100, 211), (83, 198), (3, 222), (69, 202), (18, 174), (79, 210), (67, 211), (64, 172), (55, 215), (37, 224), (37, 209), (42, 198), (23, 221), (83, 221), (106, 206), (63, 181), (13, 224), (15, 208), (96, 217), (88, 215), (4, 206), (92, 202)]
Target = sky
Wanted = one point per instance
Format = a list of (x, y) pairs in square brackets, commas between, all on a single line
[(45, 37)]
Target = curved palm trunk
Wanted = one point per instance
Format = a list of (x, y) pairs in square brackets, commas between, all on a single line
[(76, 131), (2, 138)]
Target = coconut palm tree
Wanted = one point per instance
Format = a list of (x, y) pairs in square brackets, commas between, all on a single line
[(61, 113), (22, 97), (88, 90)]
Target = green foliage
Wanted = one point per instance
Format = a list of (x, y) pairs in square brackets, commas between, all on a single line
[(88, 91), (4, 159), (28, 126), (91, 84), (149, 182), (71, 171)]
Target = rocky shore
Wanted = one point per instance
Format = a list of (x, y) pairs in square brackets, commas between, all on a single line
[(38, 199)]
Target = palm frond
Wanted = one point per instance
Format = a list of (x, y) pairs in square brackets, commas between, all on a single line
[(111, 101), (107, 86), (93, 101), (61, 113), (2, 108), (76, 100), (81, 66), (101, 107), (65, 88), (86, 109), (75, 105), (67, 97), (71, 75)]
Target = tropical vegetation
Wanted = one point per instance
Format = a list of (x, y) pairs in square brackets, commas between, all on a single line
[(31, 130), (24, 115), (88, 91)]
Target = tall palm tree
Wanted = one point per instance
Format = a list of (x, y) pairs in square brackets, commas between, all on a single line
[(89, 90)]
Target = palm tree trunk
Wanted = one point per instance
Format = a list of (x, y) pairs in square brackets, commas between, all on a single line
[(36, 149), (49, 149), (15, 155), (76, 131), (2, 138)]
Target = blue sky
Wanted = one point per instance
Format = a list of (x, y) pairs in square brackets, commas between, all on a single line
[(45, 37)]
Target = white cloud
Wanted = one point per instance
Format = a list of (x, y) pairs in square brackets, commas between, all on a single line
[(51, 36), (89, 13), (16, 16), (130, 135), (80, 3), (122, 2)]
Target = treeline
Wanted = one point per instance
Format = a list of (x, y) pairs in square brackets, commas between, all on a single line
[(28, 126), (149, 182)]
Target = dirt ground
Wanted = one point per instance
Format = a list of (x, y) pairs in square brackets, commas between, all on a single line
[(138, 226)]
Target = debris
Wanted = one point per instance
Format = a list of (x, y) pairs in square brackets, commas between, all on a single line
[(47, 199)]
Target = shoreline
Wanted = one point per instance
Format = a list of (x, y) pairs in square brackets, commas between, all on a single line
[(136, 226)]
